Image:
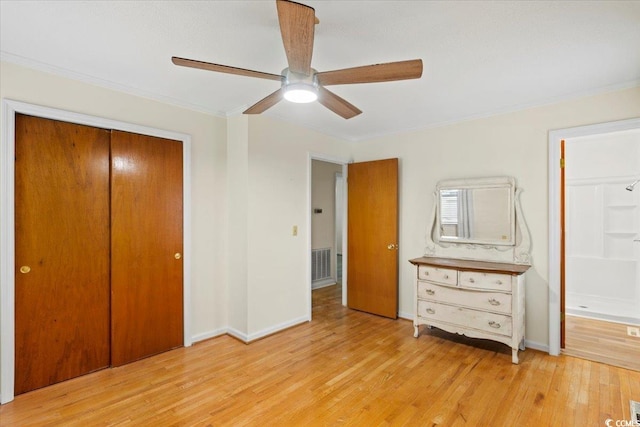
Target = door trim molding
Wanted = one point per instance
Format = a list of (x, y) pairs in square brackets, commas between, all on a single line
[(555, 136), (7, 220)]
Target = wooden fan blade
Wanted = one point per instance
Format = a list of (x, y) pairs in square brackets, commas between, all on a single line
[(297, 23), (192, 63), (402, 70), (336, 104), (265, 103)]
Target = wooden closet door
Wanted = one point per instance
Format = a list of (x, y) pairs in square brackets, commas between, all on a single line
[(61, 250), (146, 246)]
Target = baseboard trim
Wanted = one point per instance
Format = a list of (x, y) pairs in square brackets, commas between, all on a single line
[(536, 346), (238, 335), (407, 316), (248, 338), (323, 283), (277, 328), (207, 335)]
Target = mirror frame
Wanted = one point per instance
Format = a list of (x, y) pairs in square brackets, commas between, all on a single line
[(518, 252), (480, 183)]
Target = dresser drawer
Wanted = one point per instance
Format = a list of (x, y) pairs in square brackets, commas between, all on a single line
[(492, 281), (490, 301), (440, 275), (465, 317)]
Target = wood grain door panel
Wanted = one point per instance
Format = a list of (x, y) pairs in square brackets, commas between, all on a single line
[(373, 237), (62, 236), (146, 235)]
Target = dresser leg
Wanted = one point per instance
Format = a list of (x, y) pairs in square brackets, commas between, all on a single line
[(416, 331), (522, 347), (514, 355)]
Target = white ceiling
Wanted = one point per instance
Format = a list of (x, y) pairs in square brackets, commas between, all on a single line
[(480, 57)]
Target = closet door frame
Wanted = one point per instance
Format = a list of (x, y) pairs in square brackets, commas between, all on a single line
[(7, 221)]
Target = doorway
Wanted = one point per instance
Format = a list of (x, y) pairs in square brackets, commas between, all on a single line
[(602, 247), (556, 292), (327, 227)]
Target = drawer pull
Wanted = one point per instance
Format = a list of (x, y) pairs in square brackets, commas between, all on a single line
[(446, 276), (494, 301), (430, 292), (471, 280), (432, 311), (498, 282), (493, 324), (426, 273)]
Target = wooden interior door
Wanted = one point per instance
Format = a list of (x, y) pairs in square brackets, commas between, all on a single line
[(61, 251), (146, 246), (372, 231)]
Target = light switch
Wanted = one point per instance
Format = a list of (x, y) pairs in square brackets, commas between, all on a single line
[(295, 230)]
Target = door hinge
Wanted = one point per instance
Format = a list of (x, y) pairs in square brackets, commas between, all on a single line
[(562, 163)]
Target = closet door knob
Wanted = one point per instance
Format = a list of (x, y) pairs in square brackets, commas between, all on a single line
[(25, 269), (178, 255)]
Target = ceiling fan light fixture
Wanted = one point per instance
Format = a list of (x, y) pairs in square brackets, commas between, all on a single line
[(301, 83), (301, 93)]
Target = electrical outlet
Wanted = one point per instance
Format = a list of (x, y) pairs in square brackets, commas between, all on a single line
[(633, 332), (295, 230)]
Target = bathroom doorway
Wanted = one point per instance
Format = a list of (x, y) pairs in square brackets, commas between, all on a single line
[(602, 247)]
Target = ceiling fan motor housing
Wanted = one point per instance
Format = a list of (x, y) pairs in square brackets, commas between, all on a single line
[(298, 87)]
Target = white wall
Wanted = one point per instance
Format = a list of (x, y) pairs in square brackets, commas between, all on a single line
[(208, 154), (237, 234), (512, 144), (323, 190), (279, 182)]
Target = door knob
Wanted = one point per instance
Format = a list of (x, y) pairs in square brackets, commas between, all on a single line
[(178, 255), (25, 269), (392, 246)]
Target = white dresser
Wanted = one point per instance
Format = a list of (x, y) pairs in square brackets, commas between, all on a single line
[(478, 299), (470, 280)]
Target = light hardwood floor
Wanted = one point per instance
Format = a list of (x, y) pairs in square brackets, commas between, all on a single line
[(345, 368), (601, 341)]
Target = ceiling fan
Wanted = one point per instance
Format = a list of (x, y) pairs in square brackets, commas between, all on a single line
[(300, 82)]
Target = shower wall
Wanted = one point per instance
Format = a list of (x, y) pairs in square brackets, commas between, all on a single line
[(602, 224)]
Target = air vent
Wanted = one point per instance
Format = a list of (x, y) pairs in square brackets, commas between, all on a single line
[(320, 264)]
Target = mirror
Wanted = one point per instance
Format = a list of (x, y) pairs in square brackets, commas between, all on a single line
[(477, 211)]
